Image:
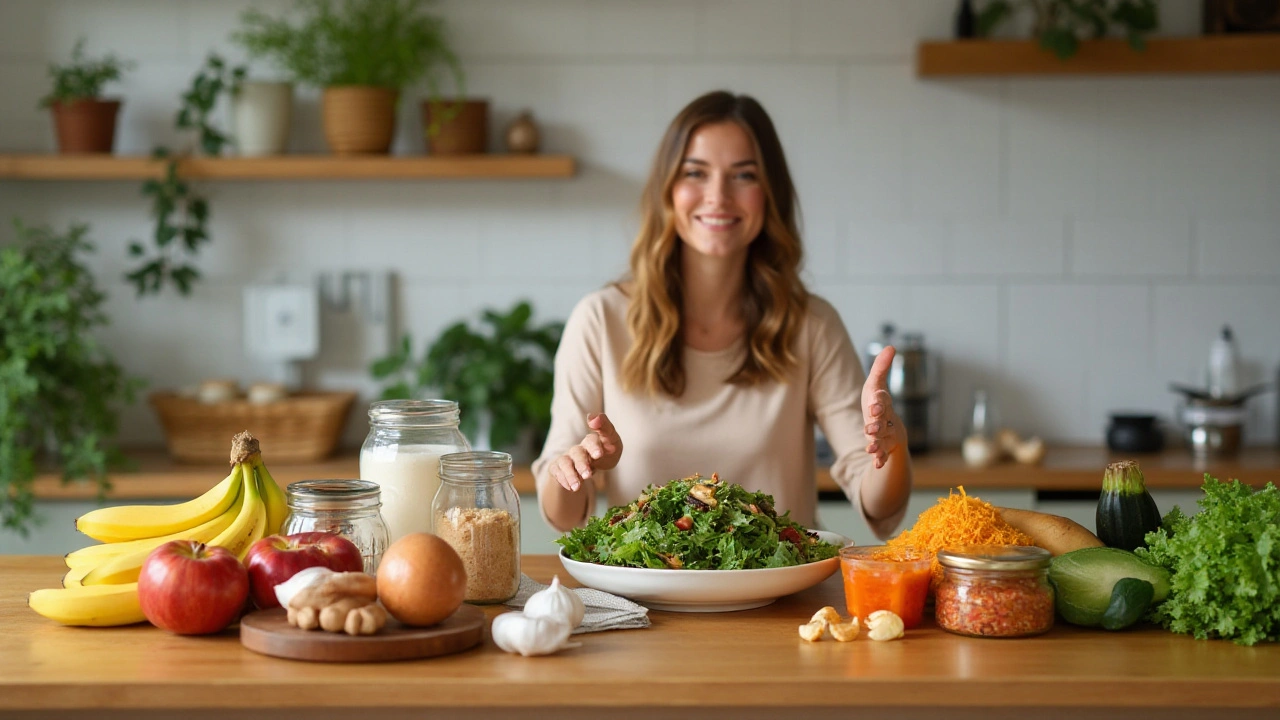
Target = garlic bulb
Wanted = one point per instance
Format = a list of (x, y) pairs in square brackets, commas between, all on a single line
[(516, 632), (302, 579), (558, 603)]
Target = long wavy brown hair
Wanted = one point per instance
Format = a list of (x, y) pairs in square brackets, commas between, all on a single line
[(775, 299)]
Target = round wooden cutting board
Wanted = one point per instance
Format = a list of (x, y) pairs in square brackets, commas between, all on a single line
[(269, 632)]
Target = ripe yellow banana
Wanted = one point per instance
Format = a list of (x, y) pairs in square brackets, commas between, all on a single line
[(125, 567), (135, 522), (96, 555), (250, 523), (277, 503), (97, 605), (75, 577)]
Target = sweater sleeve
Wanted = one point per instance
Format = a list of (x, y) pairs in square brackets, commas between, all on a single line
[(578, 390), (835, 394)]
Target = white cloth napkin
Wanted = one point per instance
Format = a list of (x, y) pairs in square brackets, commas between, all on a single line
[(604, 611)]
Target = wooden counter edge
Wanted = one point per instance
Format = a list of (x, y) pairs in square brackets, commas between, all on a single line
[(1064, 469)]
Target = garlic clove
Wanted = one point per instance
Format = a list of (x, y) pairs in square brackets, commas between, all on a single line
[(844, 632), (828, 615), (516, 632), (812, 630), (884, 625), (302, 579), (558, 603)]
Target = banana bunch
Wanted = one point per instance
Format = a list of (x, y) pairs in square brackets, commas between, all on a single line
[(101, 588)]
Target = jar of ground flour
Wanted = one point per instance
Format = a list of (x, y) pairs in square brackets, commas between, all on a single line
[(477, 511)]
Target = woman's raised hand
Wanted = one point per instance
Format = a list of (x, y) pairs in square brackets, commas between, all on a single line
[(599, 450), (883, 429)]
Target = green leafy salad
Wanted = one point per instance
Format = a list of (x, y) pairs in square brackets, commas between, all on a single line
[(696, 523), (1225, 564)]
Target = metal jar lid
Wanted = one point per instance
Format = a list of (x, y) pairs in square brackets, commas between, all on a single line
[(994, 557)]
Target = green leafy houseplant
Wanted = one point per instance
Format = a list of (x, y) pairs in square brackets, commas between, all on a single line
[(83, 78), (1059, 25), (505, 371), (58, 388), (181, 215), (379, 43)]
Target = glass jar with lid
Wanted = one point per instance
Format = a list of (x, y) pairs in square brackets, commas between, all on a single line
[(994, 591), (477, 511), (402, 455), (346, 507)]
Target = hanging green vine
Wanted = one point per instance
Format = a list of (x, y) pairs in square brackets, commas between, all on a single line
[(181, 215)]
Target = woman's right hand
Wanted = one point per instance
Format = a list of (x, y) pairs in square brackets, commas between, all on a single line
[(599, 450)]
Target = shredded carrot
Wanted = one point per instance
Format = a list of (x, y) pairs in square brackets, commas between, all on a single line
[(959, 520)]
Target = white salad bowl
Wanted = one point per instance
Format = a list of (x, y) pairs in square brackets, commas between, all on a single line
[(705, 590)]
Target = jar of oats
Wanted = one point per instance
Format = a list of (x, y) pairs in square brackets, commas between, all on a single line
[(477, 511)]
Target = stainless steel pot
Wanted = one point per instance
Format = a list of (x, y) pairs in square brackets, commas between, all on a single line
[(1213, 429)]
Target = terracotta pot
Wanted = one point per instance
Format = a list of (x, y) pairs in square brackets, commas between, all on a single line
[(463, 126), (358, 119), (86, 125)]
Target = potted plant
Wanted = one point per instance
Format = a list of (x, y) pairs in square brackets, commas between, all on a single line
[(261, 111), (361, 53), (85, 121), (58, 388), (1059, 24), (501, 377)]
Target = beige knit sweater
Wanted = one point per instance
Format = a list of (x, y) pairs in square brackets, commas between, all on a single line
[(760, 437)]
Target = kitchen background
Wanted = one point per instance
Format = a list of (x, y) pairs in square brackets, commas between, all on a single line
[(1071, 244)]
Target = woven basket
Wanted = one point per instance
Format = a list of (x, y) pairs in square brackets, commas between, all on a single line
[(300, 428)]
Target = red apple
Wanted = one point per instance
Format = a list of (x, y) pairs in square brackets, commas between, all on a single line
[(189, 588), (276, 558)]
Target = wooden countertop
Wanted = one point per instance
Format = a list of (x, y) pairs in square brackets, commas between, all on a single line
[(1064, 468), (752, 661)]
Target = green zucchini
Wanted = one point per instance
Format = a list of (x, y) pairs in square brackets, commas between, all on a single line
[(1130, 599), (1126, 511), (1084, 582)]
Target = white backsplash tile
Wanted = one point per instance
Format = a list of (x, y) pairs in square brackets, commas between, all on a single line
[(1131, 248), (746, 28)]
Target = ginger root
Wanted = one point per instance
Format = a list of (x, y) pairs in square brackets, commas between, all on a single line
[(342, 602)]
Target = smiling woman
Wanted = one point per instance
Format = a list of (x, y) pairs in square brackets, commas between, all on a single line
[(711, 354)]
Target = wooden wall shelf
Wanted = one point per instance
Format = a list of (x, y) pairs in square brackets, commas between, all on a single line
[(290, 167), (1189, 55)]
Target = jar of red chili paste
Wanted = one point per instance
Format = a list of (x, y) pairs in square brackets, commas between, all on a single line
[(994, 591)]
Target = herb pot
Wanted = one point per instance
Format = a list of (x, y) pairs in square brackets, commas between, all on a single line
[(87, 125), (358, 119), (456, 127), (1133, 433), (261, 112)]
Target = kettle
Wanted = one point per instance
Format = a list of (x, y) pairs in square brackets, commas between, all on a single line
[(913, 384)]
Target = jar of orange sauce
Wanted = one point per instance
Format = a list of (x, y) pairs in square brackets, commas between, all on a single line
[(878, 577)]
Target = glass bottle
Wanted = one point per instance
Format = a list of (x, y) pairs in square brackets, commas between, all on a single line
[(994, 591), (477, 511), (402, 455), (346, 507)]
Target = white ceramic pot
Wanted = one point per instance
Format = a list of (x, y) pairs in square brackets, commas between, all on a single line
[(260, 116)]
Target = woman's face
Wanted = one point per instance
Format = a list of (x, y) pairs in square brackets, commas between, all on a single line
[(718, 196)]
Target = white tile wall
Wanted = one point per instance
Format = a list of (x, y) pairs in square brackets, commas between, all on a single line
[(1071, 244)]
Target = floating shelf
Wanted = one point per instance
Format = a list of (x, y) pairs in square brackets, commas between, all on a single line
[(289, 167), (1209, 54)]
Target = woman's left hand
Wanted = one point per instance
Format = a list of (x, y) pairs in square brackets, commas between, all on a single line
[(884, 431)]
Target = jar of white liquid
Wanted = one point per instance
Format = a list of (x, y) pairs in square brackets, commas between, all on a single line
[(402, 455)]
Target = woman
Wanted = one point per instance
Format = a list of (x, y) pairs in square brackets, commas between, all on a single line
[(712, 356)]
